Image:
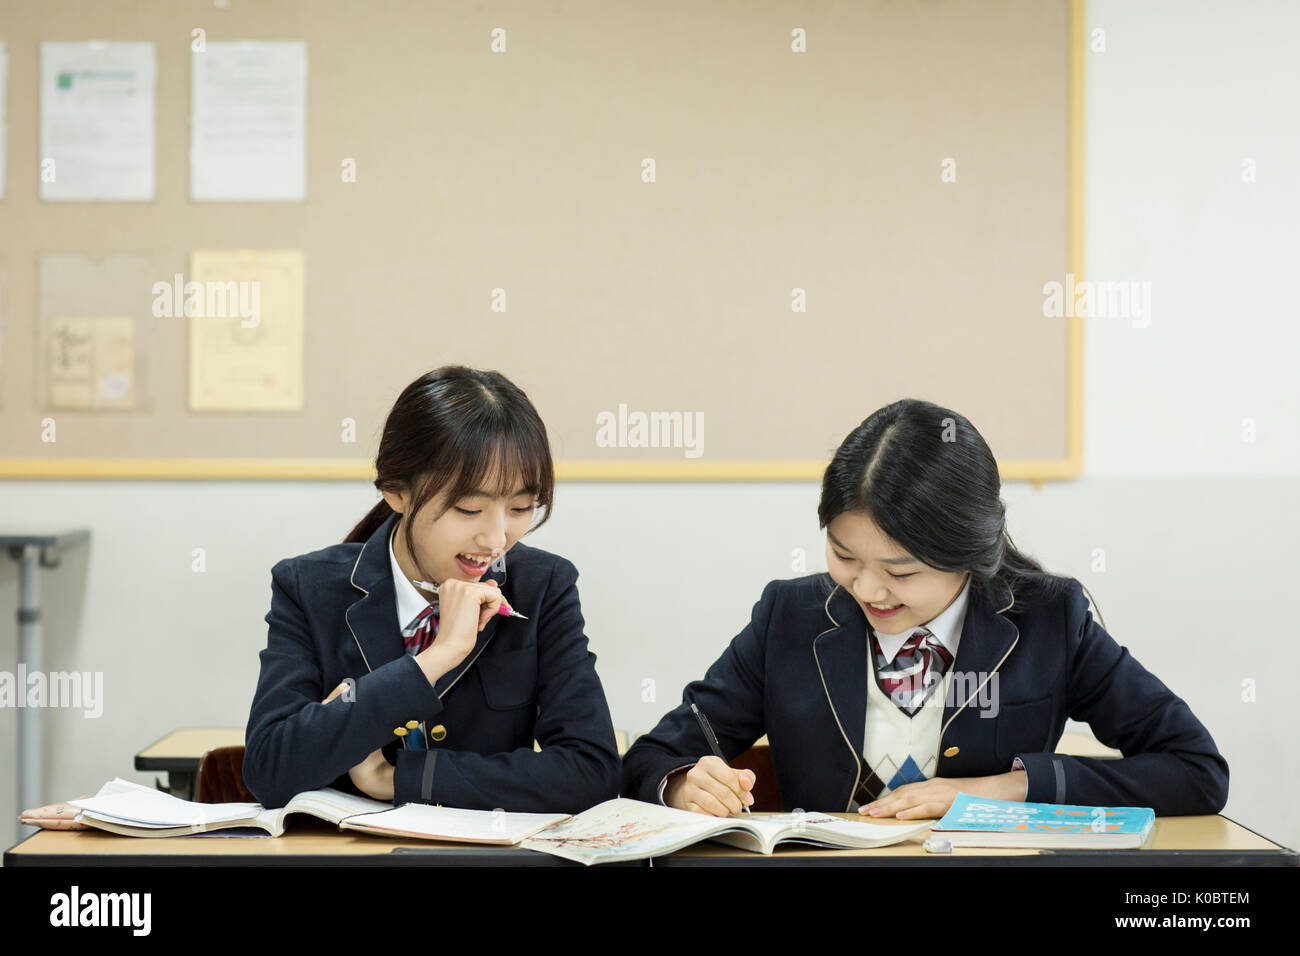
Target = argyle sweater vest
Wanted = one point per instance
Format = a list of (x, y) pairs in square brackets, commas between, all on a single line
[(898, 749)]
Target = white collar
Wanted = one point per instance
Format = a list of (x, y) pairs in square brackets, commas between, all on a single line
[(946, 627), (410, 602)]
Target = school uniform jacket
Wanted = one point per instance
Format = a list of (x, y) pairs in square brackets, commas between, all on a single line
[(798, 673), (333, 617)]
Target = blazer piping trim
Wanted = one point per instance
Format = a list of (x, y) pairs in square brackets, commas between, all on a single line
[(352, 580), (467, 666), (857, 759), (989, 677)]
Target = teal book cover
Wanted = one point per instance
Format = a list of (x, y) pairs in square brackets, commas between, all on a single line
[(969, 813)]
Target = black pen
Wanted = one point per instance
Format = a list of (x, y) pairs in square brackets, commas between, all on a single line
[(713, 741)]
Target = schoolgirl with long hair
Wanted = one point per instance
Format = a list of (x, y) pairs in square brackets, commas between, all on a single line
[(932, 657)]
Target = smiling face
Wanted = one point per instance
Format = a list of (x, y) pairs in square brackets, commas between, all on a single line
[(875, 570), (479, 527)]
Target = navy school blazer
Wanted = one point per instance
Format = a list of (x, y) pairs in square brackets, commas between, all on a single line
[(333, 617), (798, 673)]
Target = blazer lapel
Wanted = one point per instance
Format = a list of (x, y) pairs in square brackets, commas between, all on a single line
[(841, 654), (987, 639), (372, 619)]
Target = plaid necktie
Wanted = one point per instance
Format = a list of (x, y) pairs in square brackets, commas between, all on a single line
[(420, 633), (916, 670)]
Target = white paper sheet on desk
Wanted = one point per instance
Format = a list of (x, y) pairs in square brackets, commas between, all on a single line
[(454, 823), (124, 802)]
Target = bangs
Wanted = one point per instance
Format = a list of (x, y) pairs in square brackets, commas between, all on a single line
[(498, 460)]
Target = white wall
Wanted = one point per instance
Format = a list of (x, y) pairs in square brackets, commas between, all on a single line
[(1197, 526), (1185, 92)]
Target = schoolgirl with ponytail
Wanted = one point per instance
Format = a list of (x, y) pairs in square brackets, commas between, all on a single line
[(375, 683), (932, 657)]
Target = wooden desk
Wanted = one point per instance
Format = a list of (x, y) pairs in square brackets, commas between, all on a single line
[(1176, 841)]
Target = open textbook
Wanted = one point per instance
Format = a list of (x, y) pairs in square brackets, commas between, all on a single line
[(131, 809), (623, 829), (616, 830)]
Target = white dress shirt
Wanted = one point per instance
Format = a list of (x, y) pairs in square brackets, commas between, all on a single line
[(410, 602)]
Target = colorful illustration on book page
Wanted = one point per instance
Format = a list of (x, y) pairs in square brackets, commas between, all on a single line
[(615, 832)]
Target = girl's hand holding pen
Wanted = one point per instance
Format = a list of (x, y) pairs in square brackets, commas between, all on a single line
[(711, 787), (464, 608)]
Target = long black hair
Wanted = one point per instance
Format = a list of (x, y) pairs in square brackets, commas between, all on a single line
[(926, 477), (450, 429)]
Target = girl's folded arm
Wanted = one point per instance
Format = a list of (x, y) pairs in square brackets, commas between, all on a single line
[(293, 742), (578, 764), (1170, 761)]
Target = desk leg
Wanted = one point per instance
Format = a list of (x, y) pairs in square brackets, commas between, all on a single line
[(180, 783), (29, 662)]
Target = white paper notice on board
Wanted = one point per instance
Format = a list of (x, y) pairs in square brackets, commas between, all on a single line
[(4, 132), (248, 133), (97, 121)]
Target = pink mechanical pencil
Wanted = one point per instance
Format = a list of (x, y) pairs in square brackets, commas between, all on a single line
[(504, 609)]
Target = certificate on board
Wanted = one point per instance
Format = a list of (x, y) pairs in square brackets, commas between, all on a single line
[(97, 121), (95, 332), (92, 362), (246, 329), (248, 133)]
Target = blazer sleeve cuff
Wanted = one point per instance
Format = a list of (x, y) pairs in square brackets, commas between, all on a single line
[(410, 691), (1046, 777), (664, 782), (413, 776)]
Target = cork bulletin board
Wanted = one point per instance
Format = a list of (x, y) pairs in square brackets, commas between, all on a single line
[(759, 220)]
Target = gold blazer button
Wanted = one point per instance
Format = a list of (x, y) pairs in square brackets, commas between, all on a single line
[(951, 751), (438, 732)]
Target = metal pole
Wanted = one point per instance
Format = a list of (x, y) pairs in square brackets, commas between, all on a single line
[(29, 662)]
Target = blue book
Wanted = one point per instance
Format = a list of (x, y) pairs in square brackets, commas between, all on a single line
[(980, 821)]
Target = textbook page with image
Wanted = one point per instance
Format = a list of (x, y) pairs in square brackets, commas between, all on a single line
[(622, 829)]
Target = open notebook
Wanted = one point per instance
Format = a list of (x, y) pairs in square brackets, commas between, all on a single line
[(623, 829), (131, 809), (616, 830)]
